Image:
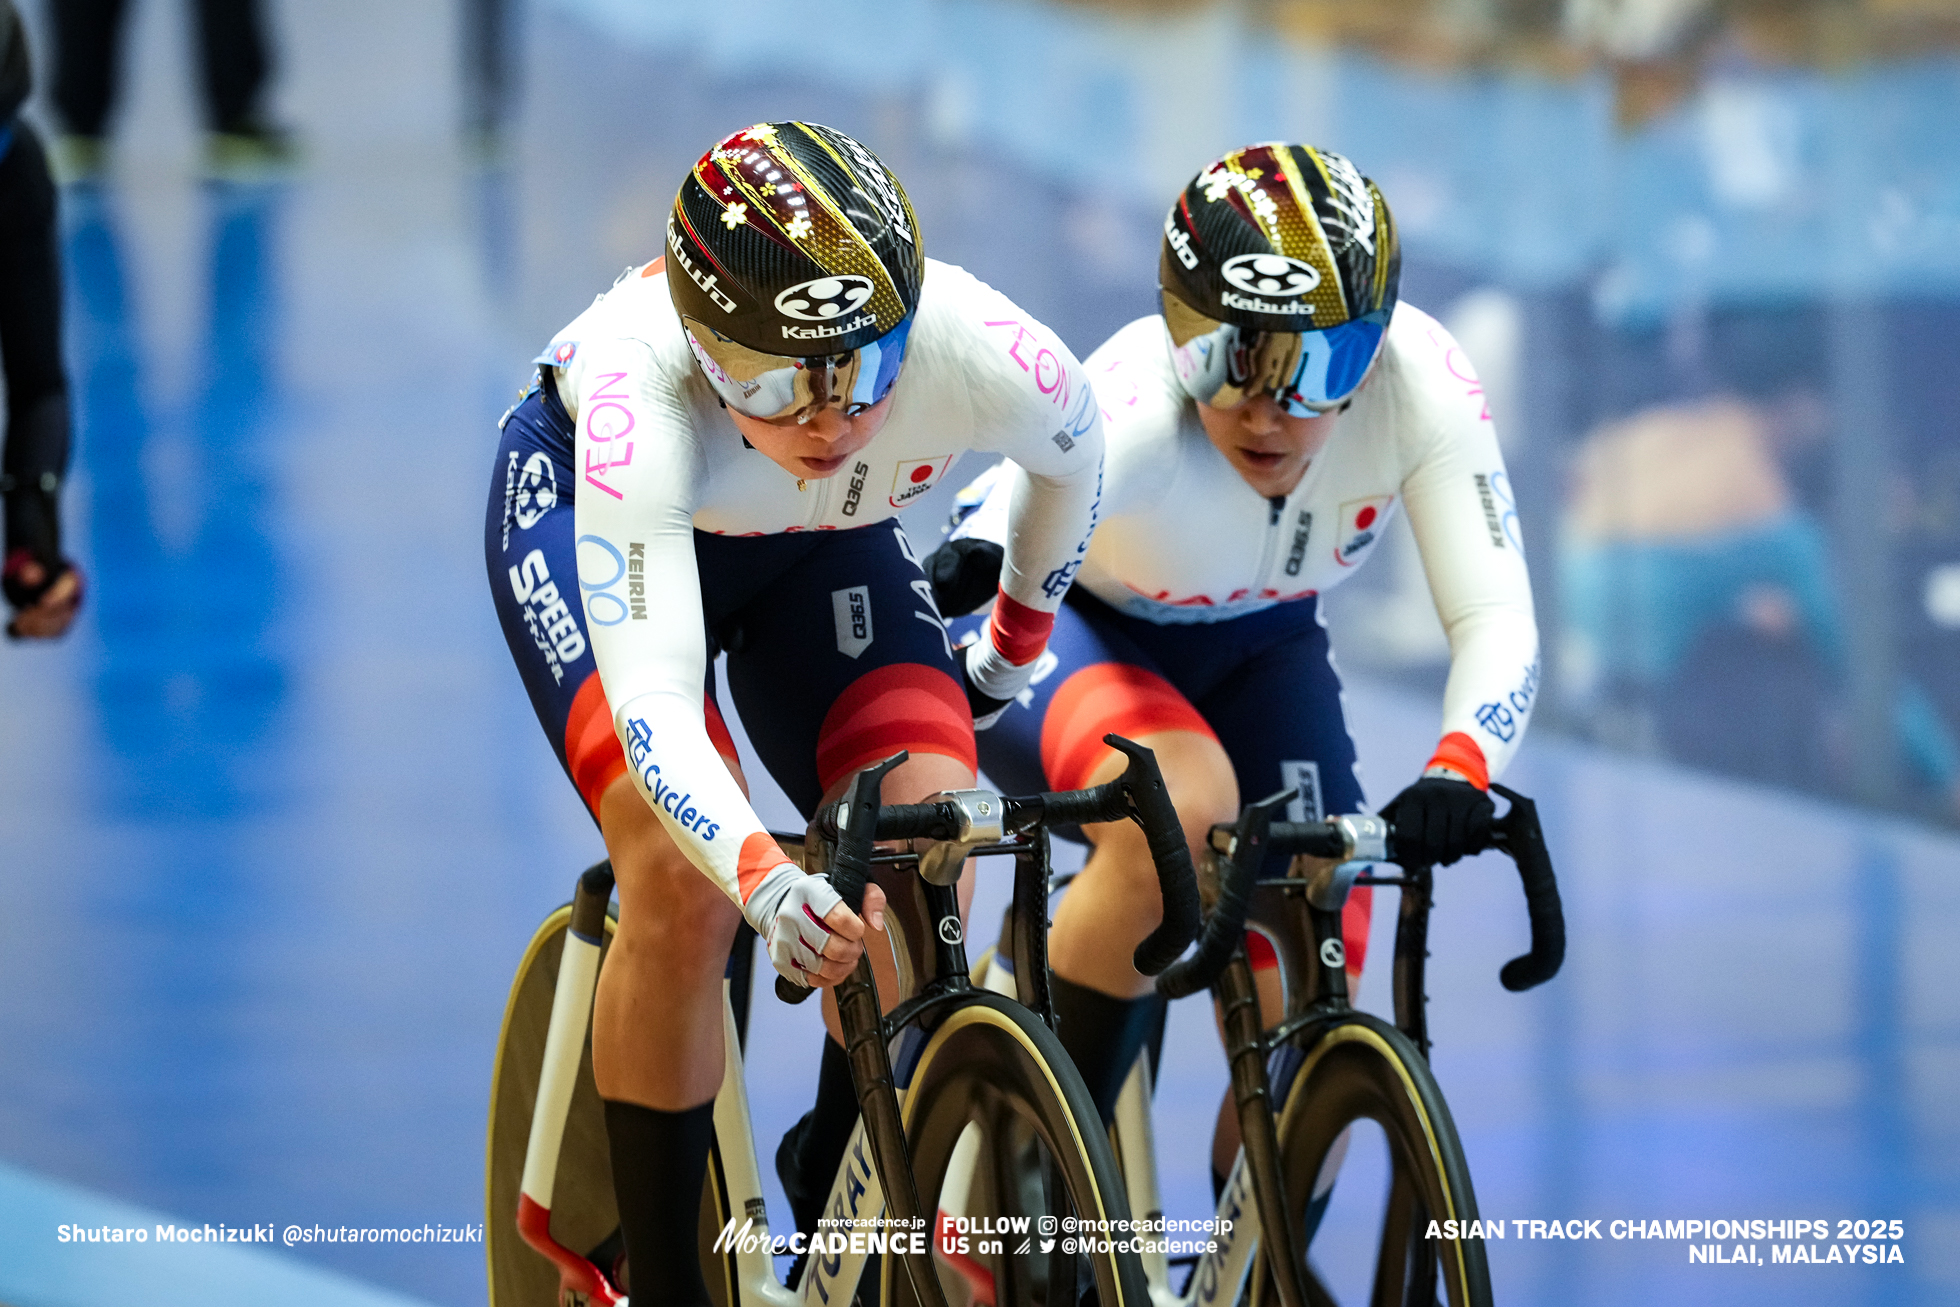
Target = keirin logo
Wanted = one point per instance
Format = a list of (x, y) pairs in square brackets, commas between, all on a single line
[(825, 298), (1271, 274)]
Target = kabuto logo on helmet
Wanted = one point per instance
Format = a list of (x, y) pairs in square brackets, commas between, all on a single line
[(825, 298), (1271, 274), (705, 281)]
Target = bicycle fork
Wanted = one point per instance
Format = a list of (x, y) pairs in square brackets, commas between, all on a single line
[(579, 1282)]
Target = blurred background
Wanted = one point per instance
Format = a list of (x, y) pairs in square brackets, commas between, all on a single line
[(276, 822)]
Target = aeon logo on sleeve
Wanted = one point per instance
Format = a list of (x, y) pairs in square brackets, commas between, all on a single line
[(1271, 274), (916, 476), (851, 607), (825, 298)]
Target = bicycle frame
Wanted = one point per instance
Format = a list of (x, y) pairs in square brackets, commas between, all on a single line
[(1300, 914), (933, 973)]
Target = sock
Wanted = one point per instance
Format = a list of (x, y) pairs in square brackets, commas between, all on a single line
[(1102, 1036), (659, 1161)]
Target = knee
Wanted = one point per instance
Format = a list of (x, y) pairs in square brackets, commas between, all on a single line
[(670, 911)]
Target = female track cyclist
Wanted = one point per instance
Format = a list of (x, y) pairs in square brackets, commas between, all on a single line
[(711, 459), (1261, 432)]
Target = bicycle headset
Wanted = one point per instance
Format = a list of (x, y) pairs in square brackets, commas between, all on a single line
[(796, 271), (1278, 276)]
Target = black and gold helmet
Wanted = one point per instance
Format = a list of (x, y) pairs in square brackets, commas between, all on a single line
[(1279, 274), (794, 261)]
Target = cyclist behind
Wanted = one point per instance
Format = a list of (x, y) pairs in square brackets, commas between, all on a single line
[(1261, 432), (712, 458)]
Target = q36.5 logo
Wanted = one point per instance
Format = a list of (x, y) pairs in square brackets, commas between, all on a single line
[(825, 298), (1271, 274)]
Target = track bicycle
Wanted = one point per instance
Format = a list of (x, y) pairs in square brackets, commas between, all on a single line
[(967, 1100), (1298, 1087)]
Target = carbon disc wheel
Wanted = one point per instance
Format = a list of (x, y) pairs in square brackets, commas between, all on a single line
[(992, 1066), (1360, 1068)]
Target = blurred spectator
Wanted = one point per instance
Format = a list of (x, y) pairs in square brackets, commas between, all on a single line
[(487, 79), (236, 64), (1697, 596), (42, 588)]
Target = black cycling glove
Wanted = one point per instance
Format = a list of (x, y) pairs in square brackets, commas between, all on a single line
[(1440, 819), (965, 575)]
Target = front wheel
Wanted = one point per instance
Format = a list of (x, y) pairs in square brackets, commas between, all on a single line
[(1361, 1068), (993, 1068)]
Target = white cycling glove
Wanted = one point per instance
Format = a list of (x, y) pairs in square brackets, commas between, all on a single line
[(787, 910)]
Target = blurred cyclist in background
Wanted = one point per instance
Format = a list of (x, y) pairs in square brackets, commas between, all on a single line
[(712, 458), (42, 588), (1261, 432)]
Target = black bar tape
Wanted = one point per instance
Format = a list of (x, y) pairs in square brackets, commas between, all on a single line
[(1521, 836), (907, 821), (1316, 839), (1105, 802)]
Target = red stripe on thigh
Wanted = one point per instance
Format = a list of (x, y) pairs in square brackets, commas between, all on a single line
[(899, 706), (1105, 697), (592, 752)]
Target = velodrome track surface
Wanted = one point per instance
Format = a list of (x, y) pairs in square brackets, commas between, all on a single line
[(276, 820)]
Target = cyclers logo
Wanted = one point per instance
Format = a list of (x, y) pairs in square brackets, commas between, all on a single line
[(825, 298), (852, 609), (553, 627), (675, 804), (1271, 274)]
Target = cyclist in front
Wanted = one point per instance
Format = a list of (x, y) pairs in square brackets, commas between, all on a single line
[(1261, 433), (712, 458)]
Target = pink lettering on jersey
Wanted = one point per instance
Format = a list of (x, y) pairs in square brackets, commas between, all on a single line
[(1021, 333), (608, 422), (1458, 365), (1050, 373)]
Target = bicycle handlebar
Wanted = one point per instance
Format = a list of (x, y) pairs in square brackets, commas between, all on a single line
[(1518, 833), (858, 820)]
